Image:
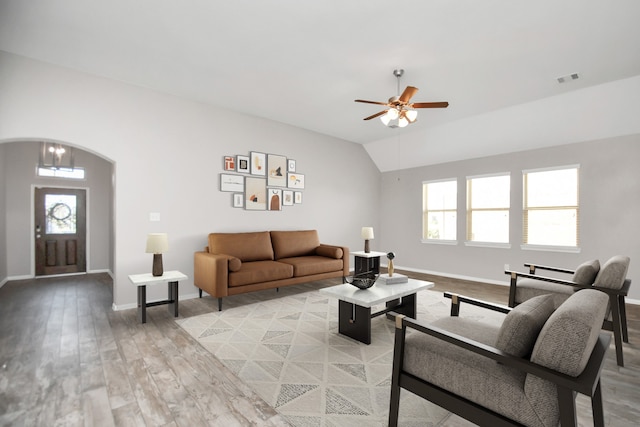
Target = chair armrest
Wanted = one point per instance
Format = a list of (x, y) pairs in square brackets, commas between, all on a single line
[(533, 267), (515, 274), (457, 299), (585, 383)]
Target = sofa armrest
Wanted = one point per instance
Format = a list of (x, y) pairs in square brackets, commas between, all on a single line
[(211, 273), (344, 257)]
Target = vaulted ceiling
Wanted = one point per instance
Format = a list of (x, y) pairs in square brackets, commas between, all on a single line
[(305, 62)]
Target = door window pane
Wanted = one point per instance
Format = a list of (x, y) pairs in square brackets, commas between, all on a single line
[(60, 213)]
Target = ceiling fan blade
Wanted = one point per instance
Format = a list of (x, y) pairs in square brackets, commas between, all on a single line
[(429, 105), (407, 94), (371, 102), (375, 115)]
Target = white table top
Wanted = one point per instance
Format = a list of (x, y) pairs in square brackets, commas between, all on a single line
[(377, 294), (149, 279), (371, 254)]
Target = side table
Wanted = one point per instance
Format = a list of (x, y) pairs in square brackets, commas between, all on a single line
[(171, 278), (364, 262)]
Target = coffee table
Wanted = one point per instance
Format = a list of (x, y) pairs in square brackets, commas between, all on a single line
[(354, 305)]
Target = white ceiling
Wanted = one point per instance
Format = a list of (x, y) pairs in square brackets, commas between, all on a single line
[(304, 62)]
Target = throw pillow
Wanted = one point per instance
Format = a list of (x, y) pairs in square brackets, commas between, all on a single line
[(586, 273), (329, 251), (521, 327), (234, 263)]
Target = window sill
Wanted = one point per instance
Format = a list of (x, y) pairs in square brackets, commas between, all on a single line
[(439, 241), (550, 248), (488, 244)]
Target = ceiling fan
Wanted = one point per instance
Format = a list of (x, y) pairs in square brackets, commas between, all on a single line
[(401, 112)]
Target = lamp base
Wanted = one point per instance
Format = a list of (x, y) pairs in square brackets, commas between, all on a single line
[(366, 247), (157, 265)]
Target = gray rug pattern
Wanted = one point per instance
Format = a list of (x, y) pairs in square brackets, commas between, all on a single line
[(289, 351)]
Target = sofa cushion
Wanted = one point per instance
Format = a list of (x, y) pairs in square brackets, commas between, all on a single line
[(308, 265), (246, 247), (530, 288), (586, 273), (329, 251), (260, 271), (522, 325), (287, 244), (613, 273)]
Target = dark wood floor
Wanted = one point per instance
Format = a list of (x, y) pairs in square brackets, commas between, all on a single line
[(67, 359)]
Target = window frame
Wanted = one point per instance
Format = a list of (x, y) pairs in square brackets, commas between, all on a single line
[(525, 211), (470, 210), (426, 211)]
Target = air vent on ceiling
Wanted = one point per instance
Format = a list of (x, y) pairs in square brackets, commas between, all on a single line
[(568, 78)]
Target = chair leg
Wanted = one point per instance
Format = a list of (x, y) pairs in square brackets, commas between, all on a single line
[(567, 405), (596, 407), (398, 356), (512, 290), (623, 319), (617, 328)]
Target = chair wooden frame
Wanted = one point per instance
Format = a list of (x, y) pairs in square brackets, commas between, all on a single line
[(587, 383), (618, 322)]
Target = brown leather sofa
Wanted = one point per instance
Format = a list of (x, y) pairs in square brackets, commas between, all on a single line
[(237, 263)]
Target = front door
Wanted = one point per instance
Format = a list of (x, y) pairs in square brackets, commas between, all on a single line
[(60, 230)]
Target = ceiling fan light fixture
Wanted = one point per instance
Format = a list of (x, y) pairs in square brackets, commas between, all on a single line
[(411, 115), (393, 113), (402, 122), (385, 119)]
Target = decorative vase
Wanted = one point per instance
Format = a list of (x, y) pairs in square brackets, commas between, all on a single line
[(390, 267)]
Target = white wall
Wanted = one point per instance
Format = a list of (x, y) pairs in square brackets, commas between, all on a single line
[(167, 153), (609, 211), (20, 177)]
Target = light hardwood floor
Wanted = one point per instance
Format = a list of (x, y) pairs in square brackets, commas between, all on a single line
[(67, 359)]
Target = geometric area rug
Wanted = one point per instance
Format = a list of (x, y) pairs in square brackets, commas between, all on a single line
[(288, 350)]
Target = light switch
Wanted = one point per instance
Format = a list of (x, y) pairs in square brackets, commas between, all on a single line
[(154, 216)]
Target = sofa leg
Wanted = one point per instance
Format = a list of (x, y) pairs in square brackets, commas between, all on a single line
[(277, 289), (220, 304), (200, 292)]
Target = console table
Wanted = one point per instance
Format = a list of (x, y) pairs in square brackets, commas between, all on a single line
[(171, 278)]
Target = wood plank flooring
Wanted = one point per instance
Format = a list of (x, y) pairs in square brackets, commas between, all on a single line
[(67, 359)]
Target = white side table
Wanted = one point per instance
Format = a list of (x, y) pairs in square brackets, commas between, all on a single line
[(171, 278), (367, 262)]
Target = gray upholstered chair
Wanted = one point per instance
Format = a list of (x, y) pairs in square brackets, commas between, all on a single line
[(611, 278), (525, 371)]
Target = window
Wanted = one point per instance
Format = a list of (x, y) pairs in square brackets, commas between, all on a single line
[(439, 206), (488, 202), (551, 207), (75, 173)]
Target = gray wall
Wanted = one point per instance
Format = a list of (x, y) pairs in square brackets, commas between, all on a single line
[(20, 177), (167, 154), (609, 211), (3, 218)]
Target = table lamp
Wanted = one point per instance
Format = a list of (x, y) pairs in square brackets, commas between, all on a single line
[(367, 234), (157, 244)]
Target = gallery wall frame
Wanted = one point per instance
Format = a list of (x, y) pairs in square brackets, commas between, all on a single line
[(295, 180), (274, 199), (258, 163), (287, 197), (229, 182), (229, 163), (297, 197), (242, 164), (291, 165), (255, 194), (238, 200), (276, 165)]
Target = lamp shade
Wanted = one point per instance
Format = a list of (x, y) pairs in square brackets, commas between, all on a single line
[(157, 243), (367, 233)]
